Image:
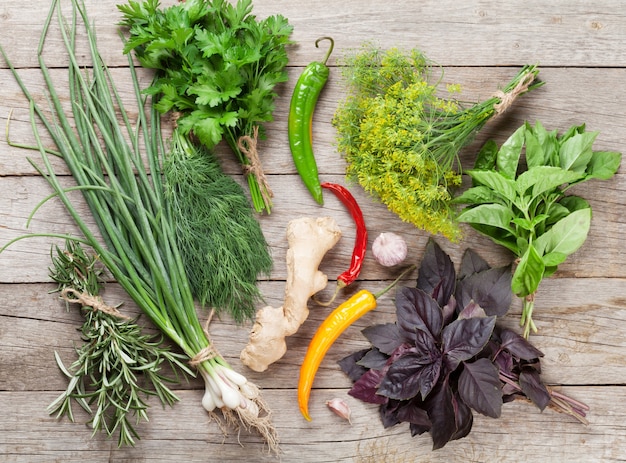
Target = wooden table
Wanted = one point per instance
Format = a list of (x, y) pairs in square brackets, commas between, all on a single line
[(581, 310)]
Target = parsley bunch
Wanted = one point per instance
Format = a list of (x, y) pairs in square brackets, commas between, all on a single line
[(401, 139), (217, 67)]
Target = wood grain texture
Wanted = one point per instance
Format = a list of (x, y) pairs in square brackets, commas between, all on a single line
[(581, 310)]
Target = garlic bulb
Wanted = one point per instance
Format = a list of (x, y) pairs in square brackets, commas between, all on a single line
[(389, 249)]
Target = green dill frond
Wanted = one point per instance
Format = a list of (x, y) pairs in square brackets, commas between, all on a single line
[(221, 242)]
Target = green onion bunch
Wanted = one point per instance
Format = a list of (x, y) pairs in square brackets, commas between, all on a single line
[(401, 139), (117, 166)]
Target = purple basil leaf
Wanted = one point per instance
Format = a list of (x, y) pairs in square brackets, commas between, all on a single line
[(374, 360), (463, 417), (419, 429), (463, 339), (480, 387), (436, 275), (449, 310), (416, 310), (504, 362), (518, 346), (386, 337), (411, 374), (472, 310), (389, 413), (413, 411), (366, 386), (533, 388), (471, 263), (350, 367), (441, 413), (491, 289)]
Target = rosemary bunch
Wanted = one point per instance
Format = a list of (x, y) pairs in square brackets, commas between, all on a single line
[(117, 365), (401, 140)]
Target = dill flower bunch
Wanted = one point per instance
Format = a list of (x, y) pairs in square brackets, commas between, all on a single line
[(401, 139)]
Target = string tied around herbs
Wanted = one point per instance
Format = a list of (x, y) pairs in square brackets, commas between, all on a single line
[(507, 98), (248, 146), (96, 303), (206, 353)]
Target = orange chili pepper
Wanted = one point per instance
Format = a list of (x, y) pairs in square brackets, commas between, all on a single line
[(328, 332)]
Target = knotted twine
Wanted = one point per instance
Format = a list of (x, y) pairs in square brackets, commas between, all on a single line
[(248, 146), (207, 353), (506, 99), (88, 300)]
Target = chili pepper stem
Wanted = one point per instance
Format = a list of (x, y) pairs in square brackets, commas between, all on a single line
[(330, 49), (338, 287), (406, 271)]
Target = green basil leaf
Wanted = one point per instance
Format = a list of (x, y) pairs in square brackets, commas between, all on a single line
[(494, 215), (486, 158), (535, 154), (574, 203), (550, 178), (510, 152), (552, 259), (528, 274), (576, 152), (556, 212), (476, 195), (543, 175), (499, 236), (549, 146), (603, 164), (567, 235), (530, 225), (501, 185)]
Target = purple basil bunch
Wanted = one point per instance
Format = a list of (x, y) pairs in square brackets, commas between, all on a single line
[(445, 357)]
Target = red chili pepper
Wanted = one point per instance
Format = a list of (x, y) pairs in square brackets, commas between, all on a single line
[(360, 244)]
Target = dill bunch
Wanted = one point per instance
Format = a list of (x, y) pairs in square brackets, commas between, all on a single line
[(221, 242), (401, 139)]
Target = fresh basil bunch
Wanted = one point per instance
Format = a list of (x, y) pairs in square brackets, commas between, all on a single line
[(524, 206)]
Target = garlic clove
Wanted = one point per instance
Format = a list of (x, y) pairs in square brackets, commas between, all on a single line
[(340, 408), (389, 249)]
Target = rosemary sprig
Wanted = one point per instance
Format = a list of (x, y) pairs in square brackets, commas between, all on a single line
[(117, 366)]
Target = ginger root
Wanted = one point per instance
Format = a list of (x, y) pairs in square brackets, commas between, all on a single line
[(309, 240)]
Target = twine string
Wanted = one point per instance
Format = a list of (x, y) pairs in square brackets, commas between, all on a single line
[(248, 146), (89, 300), (507, 99)]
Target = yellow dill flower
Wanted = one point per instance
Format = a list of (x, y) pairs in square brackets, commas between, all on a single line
[(401, 141)]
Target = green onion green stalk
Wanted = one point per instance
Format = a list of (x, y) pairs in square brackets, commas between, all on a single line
[(117, 167)]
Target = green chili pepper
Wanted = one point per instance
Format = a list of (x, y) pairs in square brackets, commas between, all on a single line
[(300, 127)]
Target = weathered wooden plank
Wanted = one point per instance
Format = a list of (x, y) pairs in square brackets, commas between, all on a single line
[(28, 434), (559, 33), (580, 321), (569, 97), (28, 260)]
